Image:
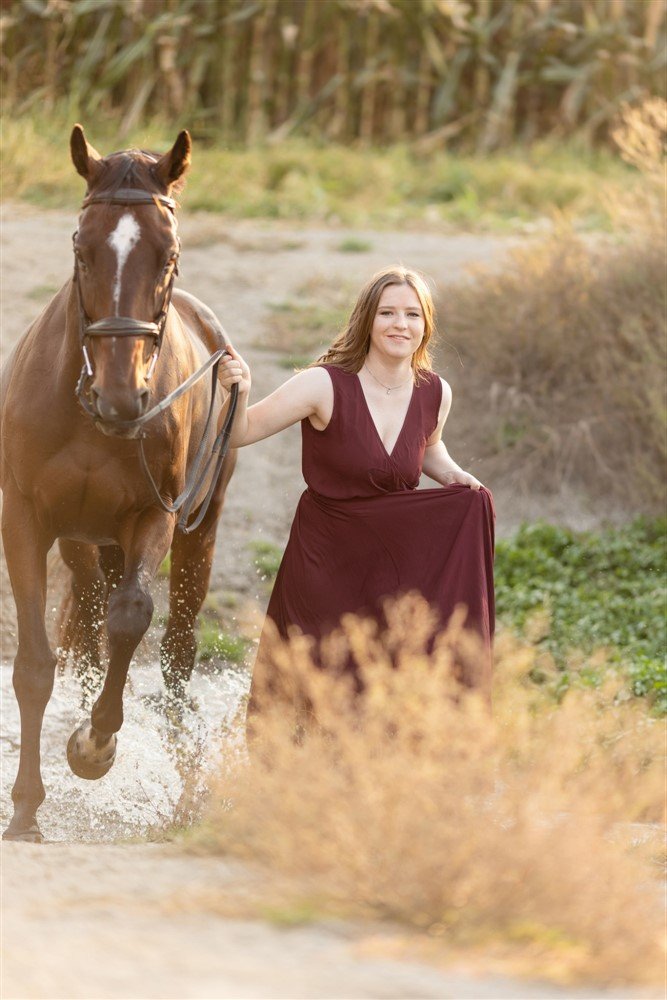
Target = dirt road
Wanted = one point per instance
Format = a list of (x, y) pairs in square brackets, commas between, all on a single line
[(109, 920)]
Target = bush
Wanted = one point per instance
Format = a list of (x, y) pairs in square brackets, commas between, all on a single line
[(564, 352), (409, 801)]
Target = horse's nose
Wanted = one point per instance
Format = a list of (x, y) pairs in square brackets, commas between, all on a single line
[(129, 406)]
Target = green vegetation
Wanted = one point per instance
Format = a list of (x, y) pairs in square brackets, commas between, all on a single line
[(42, 293), (586, 591), (303, 180), (482, 74), (213, 643), (354, 245), (266, 558), (165, 567), (304, 328)]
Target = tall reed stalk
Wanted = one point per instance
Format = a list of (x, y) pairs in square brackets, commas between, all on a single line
[(372, 70)]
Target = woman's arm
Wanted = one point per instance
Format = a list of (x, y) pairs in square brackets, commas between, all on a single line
[(438, 463), (308, 393)]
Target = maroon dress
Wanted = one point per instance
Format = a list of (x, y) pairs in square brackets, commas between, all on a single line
[(363, 531)]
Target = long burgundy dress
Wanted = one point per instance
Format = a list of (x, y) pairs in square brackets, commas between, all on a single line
[(363, 531)]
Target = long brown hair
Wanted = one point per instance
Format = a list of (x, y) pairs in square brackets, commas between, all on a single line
[(349, 349)]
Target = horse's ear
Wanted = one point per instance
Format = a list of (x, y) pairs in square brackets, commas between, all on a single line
[(85, 157), (173, 164)]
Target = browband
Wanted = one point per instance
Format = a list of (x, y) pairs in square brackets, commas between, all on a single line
[(129, 196)]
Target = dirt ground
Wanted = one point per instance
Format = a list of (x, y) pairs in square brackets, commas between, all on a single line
[(110, 920)]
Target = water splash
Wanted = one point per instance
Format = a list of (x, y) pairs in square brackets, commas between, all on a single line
[(156, 758)]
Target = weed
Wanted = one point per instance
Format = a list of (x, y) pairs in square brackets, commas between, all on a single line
[(213, 643), (590, 591), (337, 183), (409, 801), (354, 245), (165, 567), (266, 558)]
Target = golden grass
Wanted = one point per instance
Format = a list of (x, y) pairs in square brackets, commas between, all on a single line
[(412, 802), (563, 353), (564, 347)]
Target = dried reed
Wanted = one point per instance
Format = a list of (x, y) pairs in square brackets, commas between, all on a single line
[(411, 801)]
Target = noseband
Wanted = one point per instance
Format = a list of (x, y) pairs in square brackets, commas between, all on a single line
[(127, 326)]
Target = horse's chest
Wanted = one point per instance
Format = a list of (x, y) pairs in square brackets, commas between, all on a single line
[(80, 496)]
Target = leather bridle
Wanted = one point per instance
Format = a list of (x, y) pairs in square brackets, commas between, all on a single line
[(127, 326)]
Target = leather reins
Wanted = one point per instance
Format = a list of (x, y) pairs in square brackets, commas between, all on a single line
[(127, 326)]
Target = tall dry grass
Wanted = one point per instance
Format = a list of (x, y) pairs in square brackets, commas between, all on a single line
[(563, 350), (412, 802)]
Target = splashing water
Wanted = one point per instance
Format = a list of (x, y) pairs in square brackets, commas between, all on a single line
[(155, 764)]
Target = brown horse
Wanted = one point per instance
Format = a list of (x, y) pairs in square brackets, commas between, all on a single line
[(115, 353)]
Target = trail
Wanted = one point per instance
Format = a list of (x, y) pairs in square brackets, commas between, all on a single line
[(85, 916)]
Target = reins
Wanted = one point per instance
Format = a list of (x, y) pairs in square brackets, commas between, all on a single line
[(127, 326)]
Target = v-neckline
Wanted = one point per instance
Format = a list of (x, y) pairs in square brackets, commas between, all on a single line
[(389, 454)]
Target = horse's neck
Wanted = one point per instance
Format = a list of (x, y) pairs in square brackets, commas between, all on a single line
[(70, 354)]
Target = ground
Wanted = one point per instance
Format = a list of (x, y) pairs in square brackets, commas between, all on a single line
[(127, 920)]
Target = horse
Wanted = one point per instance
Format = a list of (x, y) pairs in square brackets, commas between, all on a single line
[(115, 444)]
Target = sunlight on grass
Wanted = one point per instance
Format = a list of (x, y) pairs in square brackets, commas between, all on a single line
[(298, 179), (410, 802)]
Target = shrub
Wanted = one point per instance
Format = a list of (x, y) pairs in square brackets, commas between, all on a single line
[(409, 801)]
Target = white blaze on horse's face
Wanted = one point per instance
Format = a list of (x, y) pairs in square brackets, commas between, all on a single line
[(124, 237)]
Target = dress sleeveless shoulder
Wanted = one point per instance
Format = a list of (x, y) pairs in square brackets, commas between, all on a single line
[(363, 531)]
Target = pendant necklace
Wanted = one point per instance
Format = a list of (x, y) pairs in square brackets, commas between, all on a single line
[(389, 388)]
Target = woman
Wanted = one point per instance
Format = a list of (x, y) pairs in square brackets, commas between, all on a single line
[(372, 413)]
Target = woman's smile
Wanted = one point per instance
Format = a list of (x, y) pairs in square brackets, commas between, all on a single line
[(398, 326)]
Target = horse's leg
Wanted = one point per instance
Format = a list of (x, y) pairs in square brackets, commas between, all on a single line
[(82, 627), (92, 747), (112, 562), (191, 560), (26, 546)]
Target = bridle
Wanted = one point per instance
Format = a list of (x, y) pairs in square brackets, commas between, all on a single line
[(127, 326)]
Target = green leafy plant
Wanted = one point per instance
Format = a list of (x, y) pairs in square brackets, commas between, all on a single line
[(590, 591)]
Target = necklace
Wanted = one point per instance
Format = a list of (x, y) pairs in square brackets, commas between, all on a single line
[(389, 388)]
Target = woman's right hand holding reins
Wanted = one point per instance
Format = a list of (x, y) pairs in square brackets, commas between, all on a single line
[(234, 371)]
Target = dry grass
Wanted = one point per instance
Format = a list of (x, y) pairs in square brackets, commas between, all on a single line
[(410, 802), (564, 349), (563, 354)]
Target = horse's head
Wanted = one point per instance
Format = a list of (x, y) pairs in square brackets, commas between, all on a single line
[(126, 251)]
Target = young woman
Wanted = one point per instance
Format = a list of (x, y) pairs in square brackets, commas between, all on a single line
[(372, 413)]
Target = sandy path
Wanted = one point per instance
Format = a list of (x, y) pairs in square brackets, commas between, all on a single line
[(86, 922), (123, 921)]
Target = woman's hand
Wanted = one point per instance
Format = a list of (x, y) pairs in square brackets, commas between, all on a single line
[(465, 479), (439, 465), (234, 371)]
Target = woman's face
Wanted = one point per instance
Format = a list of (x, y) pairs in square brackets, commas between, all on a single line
[(398, 327)]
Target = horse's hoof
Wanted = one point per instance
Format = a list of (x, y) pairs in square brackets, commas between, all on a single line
[(33, 835), (89, 754)]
